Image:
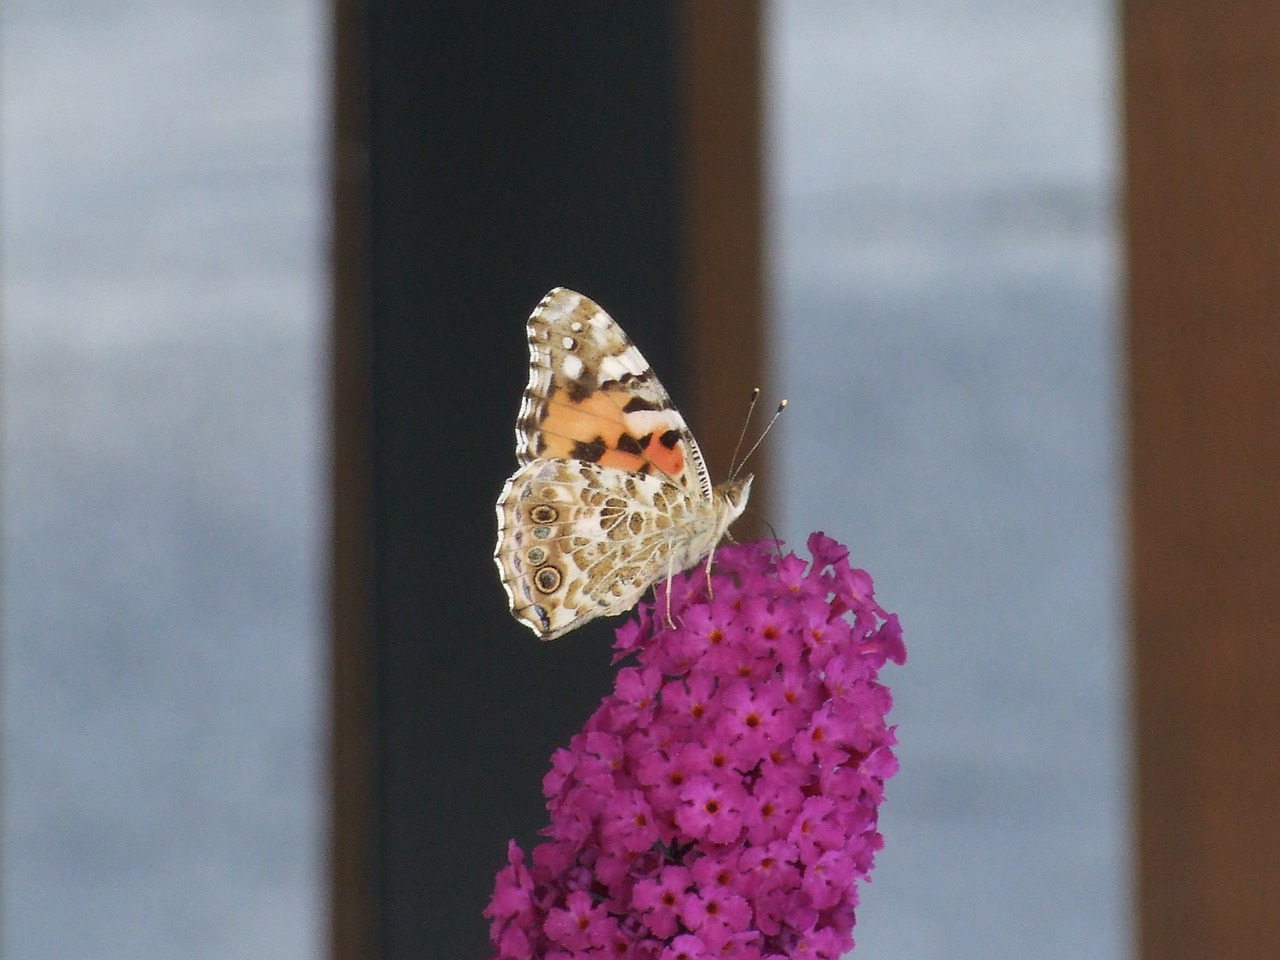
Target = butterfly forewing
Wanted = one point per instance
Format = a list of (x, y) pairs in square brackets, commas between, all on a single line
[(592, 396)]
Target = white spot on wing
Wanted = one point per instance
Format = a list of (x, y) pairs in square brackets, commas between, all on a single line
[(633, 361), (611, 368), (558, 304), (599, 320), (641, 422), (568, 343), (572, 367)]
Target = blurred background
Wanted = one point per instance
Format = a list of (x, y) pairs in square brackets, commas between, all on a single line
[(944, 281), (163, 221), (942, 315)]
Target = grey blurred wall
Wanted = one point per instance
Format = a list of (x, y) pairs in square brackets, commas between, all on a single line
[(162, 211), (945, 283)]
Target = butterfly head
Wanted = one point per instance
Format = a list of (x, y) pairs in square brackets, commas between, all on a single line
[(732, 499)]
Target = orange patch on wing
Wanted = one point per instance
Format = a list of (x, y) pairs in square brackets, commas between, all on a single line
[(669, 460), (625, 461), (600, 415), (569, 422)]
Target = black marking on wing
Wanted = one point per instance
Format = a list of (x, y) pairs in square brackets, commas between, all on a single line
[(527, 427), (590, 451), (641, 403), (629, 444), (541, 613), (581, 388), (671, 438), (628, 378)]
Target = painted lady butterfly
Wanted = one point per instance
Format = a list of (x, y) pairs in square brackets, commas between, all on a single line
[(612, 493)]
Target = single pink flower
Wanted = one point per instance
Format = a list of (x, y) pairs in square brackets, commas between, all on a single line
[(576, 925), (774, 806), (687, 947), (715, 914), (628, 823), (637, 696), (659, 900), (710, 810)]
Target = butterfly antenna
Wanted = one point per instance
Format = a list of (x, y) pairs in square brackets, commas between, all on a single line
[(769, 426), (751, 406)]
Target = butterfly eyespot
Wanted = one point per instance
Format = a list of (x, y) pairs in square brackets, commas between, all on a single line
[(536, 555), (543, 513), (541, 533), (547, 579)]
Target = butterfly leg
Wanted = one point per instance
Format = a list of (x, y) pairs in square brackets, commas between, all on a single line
[(710, 557), (671, 624)]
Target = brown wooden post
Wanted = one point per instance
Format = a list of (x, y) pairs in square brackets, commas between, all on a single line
[(1202, 144), (722, 75), (352, 753)]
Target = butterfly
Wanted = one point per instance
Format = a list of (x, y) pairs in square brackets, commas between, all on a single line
[(612, 493)]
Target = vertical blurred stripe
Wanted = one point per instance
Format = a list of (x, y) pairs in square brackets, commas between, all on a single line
[(722, 78), (1202, 142)]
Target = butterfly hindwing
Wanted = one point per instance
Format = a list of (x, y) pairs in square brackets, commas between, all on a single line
[(582, 541)]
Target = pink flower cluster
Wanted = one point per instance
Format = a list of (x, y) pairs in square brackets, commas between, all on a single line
[(721, 802)]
